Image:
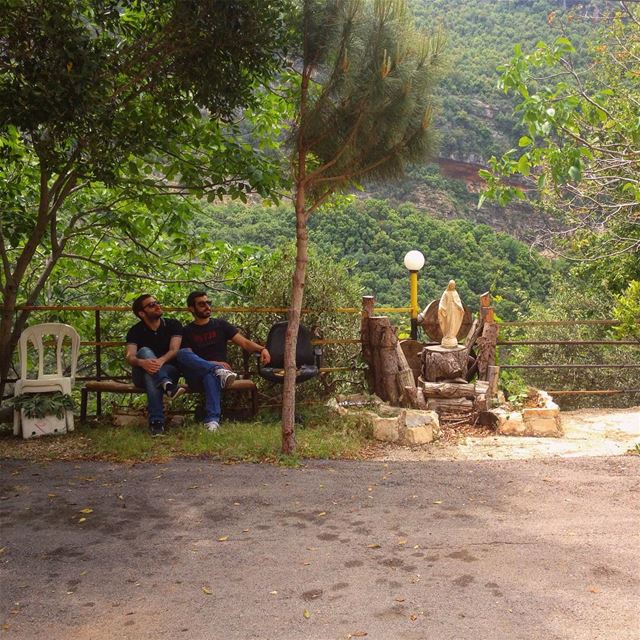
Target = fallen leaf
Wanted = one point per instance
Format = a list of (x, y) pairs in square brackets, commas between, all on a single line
[(207, 591), (82, 520), (322, 513), (402, 541), (399, 599), (273, 593), (373, 546), (437, 502), (245, 531), (223, 538), (52, 495), (120, 497), (358, 634), (413, 617), (2, 550), (193, 486), (86, 510), (306, 613), (594, 590), (306, 564)]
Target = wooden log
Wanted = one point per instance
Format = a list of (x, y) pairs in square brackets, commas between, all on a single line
[(412, 350), (481, 388), (450, 405), (493, 377), (447, 390), (439, 363), (485, 299), (368, 303), (414, 398), (480, 403), (383, 347), (487, 346), (474, 332)]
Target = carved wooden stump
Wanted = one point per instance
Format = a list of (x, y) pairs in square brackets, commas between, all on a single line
[(439, 363)]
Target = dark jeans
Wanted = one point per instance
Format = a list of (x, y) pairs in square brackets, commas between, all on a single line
[(200, 375), (153, 382)]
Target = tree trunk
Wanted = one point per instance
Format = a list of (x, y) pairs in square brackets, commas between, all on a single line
[(440, 363), (368, 303), (384, 344), (291, 337)]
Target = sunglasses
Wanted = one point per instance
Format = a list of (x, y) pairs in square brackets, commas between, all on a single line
[(155, 303), (203, 303)]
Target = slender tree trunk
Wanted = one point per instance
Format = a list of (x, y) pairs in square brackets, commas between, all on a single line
[(291, 338)]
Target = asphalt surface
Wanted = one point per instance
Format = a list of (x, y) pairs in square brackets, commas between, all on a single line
[(401, 550)]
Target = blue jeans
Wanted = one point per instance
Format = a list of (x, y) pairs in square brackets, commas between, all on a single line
[(153, 382), (200, 375)]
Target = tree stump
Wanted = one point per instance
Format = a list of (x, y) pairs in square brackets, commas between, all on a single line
[(439, 363)]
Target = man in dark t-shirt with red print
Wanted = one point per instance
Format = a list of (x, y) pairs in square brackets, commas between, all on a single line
[(203, 357), (209, 340)]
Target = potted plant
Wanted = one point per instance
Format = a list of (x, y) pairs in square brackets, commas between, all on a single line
[(43, 413)]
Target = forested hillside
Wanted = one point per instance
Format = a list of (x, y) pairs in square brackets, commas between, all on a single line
[(475, 120), (374, 238)]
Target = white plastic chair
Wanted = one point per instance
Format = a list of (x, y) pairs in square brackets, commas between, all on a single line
[(47, 381)]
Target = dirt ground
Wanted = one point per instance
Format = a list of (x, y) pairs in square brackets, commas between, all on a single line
[(588, 432)]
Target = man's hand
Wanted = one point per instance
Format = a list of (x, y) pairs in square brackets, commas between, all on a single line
[(152, 365), (265, 357)]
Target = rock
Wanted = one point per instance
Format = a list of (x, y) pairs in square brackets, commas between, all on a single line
[(386, 429), (417, 435), (543, 421), (388, 411), (416, 427), (509, 424)]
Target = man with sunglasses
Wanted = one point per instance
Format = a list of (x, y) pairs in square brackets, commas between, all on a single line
[(203, 358), (152, 344)]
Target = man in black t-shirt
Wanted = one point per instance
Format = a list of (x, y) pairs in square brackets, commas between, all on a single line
[(203, 357), (151, 344)]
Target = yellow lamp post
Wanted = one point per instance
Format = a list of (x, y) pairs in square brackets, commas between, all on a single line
[(414, 261)]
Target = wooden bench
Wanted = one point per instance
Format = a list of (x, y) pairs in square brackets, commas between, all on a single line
[(112, 386)]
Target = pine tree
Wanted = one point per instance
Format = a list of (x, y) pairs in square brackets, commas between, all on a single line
[(364, 110)]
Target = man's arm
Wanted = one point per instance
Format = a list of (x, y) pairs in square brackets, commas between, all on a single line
[(252, 347), (174, 347), (150, 365)]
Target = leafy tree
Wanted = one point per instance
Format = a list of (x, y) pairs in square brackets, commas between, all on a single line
[(583, 138), (104, 102), (363, 109)]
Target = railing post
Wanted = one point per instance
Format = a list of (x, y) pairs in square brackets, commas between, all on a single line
[(98, 335), (368, 304)]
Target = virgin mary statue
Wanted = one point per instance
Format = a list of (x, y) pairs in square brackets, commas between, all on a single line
[(450, 315)]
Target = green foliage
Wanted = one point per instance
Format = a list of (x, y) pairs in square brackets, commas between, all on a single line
[(375, 237), (572, 299), (627, 311), (582, 139), (109, 108), (476, 120), (39, 405), (365, 102)]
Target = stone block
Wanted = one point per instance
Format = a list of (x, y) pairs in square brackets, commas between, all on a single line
[(549, 411), (386, 429), (510, 424), (538, 423), (416, 418), (417, 435)]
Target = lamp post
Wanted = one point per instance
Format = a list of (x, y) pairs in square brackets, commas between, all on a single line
[(414, 261)]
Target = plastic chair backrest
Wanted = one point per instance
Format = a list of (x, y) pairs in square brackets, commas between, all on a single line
[(275, 345), (35, 335)]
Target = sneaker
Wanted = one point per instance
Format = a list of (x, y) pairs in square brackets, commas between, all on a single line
[(173, 390), (227, 378), (156, 429), (212, 426)]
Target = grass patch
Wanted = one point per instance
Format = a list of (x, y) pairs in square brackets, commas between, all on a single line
[(324, 435)]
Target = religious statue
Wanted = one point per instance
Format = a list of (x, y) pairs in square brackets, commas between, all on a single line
[(450, 316)]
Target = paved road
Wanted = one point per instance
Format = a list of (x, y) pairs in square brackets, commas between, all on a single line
[(399, 551)]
